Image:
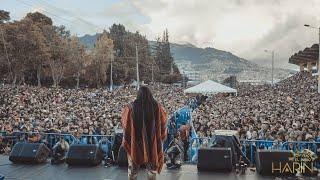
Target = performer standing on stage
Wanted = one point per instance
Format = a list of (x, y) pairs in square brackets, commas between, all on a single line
[(144, 124)]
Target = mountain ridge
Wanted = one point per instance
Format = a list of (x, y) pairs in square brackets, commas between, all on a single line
[(187, 51), (211, 62)]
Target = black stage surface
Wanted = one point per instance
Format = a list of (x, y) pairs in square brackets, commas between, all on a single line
[(63, 171)]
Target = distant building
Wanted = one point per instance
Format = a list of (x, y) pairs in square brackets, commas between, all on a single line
[(253, 82), (308, 58), (193, 75)]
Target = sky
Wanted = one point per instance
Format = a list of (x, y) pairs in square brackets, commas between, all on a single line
[(244, 27)]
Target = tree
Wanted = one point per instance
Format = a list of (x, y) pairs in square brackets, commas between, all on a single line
[(102, 54), (34, 51), (4, 16), (125, 43), (78, 58), (38, 51), (39, 19), (119, 36), (163, 57), (26, 49), (5, 65), (59, 52), (16, 43)]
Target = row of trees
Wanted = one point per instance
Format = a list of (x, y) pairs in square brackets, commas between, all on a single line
[(36, 52)]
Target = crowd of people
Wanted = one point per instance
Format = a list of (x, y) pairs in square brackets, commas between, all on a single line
[(287, 111), (74, 111)]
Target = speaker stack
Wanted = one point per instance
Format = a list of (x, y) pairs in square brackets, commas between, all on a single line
[(215, 159), (273, 162), (29, 153), (84, 154), (285, 163)]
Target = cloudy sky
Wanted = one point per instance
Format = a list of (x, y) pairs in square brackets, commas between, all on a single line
[(243, 27)]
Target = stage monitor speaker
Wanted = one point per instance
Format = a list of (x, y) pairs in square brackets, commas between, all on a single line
[(274, 162), (215, 159), (117, 140), (122, 159), (29, 153), (84, 154)]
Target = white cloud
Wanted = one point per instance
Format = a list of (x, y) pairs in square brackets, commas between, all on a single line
[(38, 9), (244, 27)]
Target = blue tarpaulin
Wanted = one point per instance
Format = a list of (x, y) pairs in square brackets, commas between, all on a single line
[(180, 117)]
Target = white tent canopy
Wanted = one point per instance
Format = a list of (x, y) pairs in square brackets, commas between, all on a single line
[(210, 87)]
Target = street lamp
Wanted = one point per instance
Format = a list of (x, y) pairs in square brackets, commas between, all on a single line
[(307, 25), (112, 55), (137, 63), (137, 67), (272, 65), (111, 60)]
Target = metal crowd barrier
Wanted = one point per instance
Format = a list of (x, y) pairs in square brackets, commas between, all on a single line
[(49, 138), (104, 141), (301, 145), (96, 139), (52, 138), (249, 147)]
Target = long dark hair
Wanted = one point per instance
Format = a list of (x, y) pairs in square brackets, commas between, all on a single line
[(145, 110)]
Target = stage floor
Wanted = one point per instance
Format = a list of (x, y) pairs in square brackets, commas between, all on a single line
[(64, 172)]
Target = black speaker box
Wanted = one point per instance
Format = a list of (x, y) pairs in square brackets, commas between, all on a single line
[(117, 140), (273, 162), (122, 159), (29, 153), (215, 159), (84, 155)]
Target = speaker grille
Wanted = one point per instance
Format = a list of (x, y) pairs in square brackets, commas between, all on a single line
[(84, 154), (29, 153)]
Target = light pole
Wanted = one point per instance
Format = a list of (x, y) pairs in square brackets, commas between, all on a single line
[(272, 64), (137, 63), (111, 60), (137, 66), (307, 25), (152, 76)]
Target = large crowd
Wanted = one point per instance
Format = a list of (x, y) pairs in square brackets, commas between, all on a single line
[(86, 111), (287, 111)]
